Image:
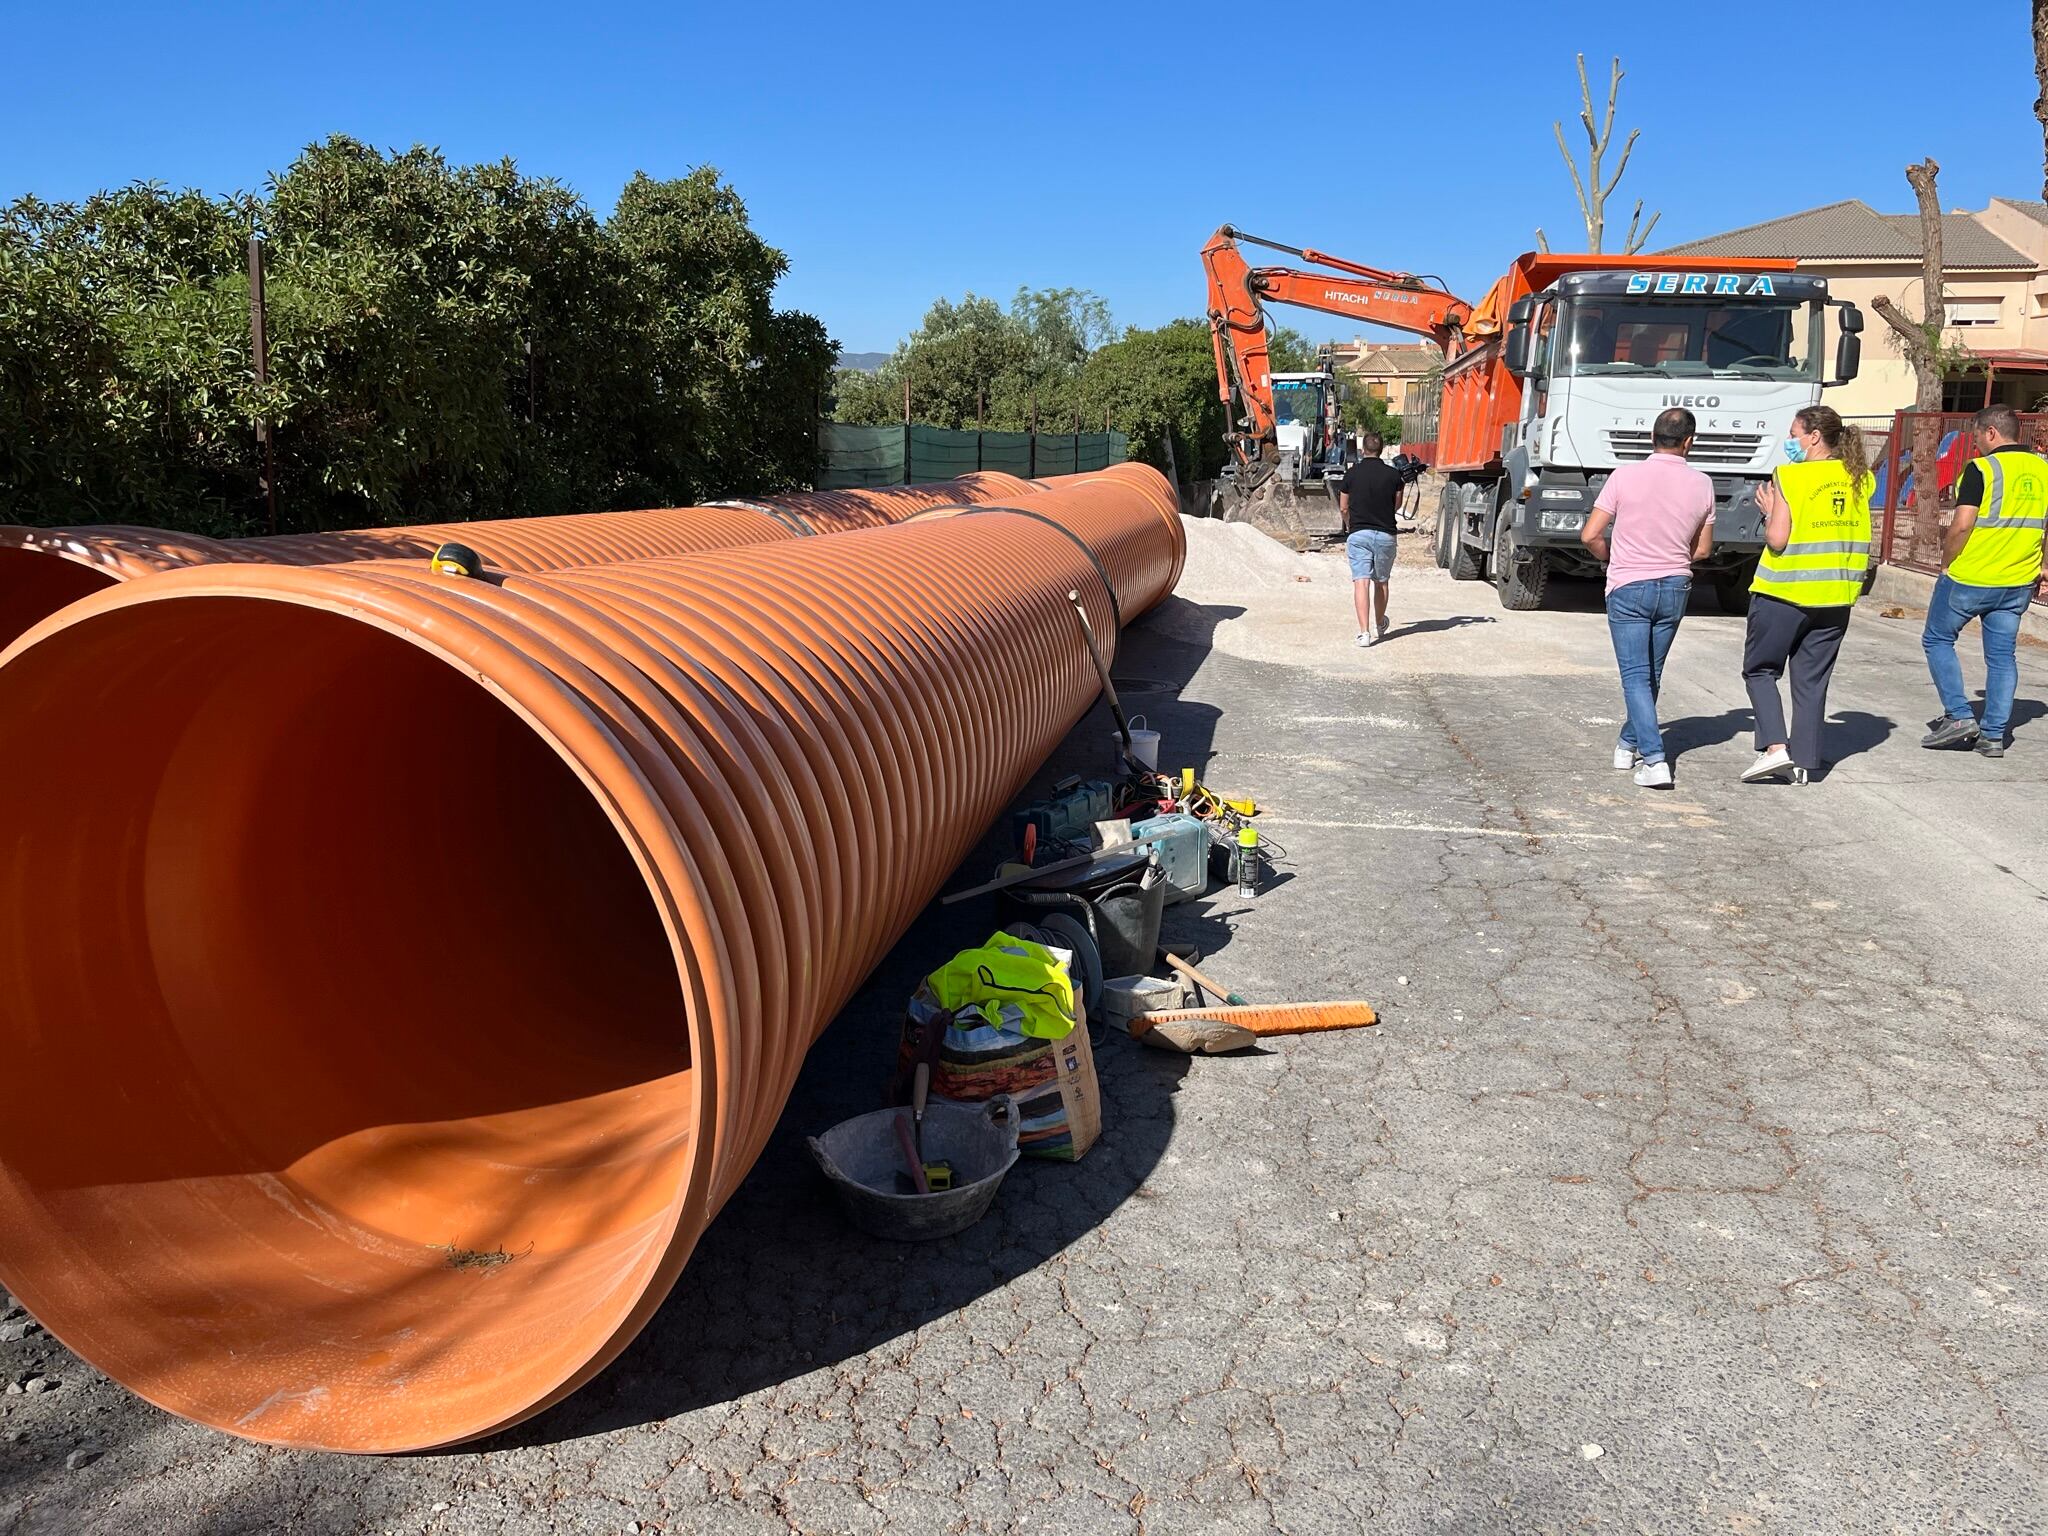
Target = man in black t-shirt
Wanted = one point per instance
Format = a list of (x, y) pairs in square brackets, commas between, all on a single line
[(1370, 496)]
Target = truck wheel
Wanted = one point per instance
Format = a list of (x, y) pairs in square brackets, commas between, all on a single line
[(1464, 562), (1446, 528), (1731, 588), (1521, 579)]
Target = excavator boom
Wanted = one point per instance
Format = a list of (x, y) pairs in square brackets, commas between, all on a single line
[(1239, 292)]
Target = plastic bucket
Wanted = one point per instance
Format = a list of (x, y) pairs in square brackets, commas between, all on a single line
[(862, 1157), (1127, 927), (1144, 747)]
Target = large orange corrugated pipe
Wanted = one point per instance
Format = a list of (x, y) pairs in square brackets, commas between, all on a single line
[(400, 970), (42, 569)]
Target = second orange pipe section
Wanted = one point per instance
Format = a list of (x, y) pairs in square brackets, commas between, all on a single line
[(42, 569)]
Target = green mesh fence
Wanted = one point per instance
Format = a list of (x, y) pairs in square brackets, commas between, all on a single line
[(862, 456)]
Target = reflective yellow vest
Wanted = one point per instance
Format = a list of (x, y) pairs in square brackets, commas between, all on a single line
[(1828, 555), (2004, 548)]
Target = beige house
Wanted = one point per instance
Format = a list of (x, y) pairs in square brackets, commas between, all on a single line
[(1994, 290), (1394, 373)]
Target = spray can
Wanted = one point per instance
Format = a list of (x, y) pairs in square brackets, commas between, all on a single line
[(1248, 862)]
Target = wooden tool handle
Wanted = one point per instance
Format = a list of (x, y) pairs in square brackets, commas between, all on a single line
[(1270, 1018), (1220, 993)]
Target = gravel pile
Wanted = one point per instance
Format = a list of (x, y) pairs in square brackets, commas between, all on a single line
[(1230, 557)]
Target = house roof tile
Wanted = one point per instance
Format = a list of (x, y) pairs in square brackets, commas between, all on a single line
[(1852, 230)]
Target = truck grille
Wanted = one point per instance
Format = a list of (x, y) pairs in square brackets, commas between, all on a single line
[(1707, 448)]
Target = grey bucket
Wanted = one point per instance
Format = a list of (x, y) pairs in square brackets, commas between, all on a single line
[(861, 1157)]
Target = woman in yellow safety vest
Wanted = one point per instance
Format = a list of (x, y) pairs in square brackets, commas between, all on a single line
[(1816, 554)]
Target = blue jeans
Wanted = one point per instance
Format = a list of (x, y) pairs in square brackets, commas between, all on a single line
[(1643, 619), (2001, 608)]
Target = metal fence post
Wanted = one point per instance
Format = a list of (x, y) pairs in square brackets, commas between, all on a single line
[(259, 358), (1894, 497)]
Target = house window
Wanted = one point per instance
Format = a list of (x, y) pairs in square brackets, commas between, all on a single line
[(1964, 394), (1376, 391), (1965, 312)]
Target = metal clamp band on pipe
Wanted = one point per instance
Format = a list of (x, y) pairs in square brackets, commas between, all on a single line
[(400, 971), (1116, 607)]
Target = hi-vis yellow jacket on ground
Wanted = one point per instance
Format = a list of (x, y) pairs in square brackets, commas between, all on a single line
[(1828, 555), (2004, 548)]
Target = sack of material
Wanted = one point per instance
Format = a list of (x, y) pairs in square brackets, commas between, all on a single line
[(990, 1022)]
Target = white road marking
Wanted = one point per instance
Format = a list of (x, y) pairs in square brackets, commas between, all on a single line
[(1421, 826)]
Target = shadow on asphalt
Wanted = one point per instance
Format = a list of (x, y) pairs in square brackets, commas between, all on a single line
[(1850, 733), (2024, 712), (781, 1286), (1432, 626)]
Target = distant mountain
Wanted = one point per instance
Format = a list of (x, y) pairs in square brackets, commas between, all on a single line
[(866, 362)]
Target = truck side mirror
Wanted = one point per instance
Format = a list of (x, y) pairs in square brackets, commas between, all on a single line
[(1849, 345), (1515, 350), (1848, 357)]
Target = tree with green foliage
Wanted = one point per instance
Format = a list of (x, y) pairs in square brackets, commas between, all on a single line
[(977, 361), (1156, 383), (444, 342), (1288, 351), (738, 384), (1368, 413)]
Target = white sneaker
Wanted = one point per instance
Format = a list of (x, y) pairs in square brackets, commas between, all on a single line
[(1768, 765), (1366, 641), (1625, 758), (1654, 776)]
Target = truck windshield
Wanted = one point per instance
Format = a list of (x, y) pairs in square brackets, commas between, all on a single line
[(1742, 340)]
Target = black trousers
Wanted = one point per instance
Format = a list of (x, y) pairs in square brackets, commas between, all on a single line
[(1807, 640)]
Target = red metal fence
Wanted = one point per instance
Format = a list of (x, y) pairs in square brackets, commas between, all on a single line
[(1896, 505)]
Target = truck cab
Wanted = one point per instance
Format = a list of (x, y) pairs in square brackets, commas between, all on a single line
[(1598, 355)]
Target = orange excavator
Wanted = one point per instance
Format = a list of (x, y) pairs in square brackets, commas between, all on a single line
[(1238, 295)]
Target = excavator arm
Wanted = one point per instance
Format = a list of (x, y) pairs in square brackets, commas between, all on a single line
[(1239, 292)]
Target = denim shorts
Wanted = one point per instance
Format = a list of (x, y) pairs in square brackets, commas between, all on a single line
[(1372, 554)]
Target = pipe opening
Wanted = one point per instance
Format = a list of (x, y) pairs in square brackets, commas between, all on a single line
[(34, 585), (374, 1013)]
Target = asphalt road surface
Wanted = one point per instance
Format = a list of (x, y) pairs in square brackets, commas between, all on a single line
[(1693, 1180)]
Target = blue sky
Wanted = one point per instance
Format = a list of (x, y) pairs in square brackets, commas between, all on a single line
[(902, 152)]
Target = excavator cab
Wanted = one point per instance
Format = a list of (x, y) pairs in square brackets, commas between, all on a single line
[(1304, 405)]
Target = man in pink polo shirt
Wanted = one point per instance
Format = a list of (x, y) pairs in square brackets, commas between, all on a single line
[(1650, 522)]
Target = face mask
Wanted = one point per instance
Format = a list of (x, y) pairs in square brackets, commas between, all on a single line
[(1795, 451)]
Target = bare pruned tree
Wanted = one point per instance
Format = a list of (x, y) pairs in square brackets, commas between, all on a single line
[(2041, 78), (1593, 192), (1921, 341)]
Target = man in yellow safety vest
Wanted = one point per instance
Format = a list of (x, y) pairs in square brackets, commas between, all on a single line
[(1992, 551)]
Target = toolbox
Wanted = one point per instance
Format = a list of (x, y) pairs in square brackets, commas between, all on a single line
[(1183, 844)]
